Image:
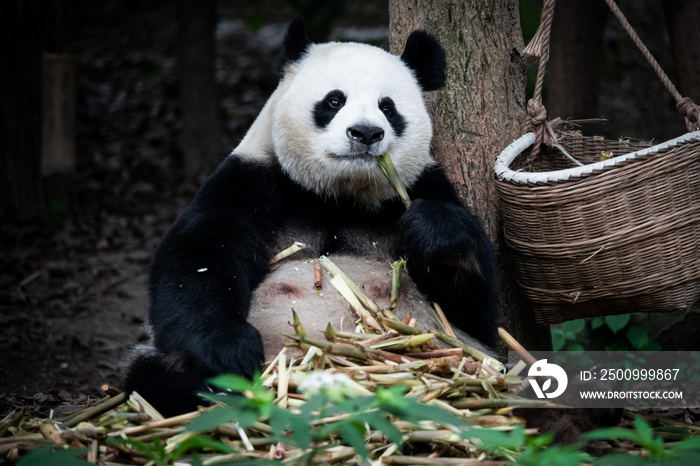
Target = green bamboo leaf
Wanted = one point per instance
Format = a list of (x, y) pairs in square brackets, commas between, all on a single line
[(381, 423), (231, 382), (646, 434), (420, 411), (494, 439), (46, 456), (201, 442), (612, 433), (354, 436), (621, 460), (301, 432), (692, 443), (211, 420)]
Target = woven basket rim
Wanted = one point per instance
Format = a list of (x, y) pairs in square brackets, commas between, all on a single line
[(508, 155)]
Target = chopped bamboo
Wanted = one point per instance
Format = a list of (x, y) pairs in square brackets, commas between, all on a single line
[(294, 248), (318, 276), (336, 272)]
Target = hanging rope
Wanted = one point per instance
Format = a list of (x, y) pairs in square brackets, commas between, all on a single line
[(536, 119), (686, 107)]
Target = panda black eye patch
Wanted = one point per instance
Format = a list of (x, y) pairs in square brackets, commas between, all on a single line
[(395, 119), (326, 109)]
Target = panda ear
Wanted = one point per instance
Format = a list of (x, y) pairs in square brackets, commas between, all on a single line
[(294, 45), (426, 57)]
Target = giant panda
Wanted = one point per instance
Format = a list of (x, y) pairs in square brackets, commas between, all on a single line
[(307, 171)]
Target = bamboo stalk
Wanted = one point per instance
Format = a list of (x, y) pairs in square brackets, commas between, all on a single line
[(143, 405), (318, 276), (470, 350), (105, 405), (514, 345), (443, 320), (296, 324), (355, 303), (335, 271), (168, 422), (438, 353), (294, 248), (282, 382), (92, 452), (397, 269), (389, 170), (401, 327), (11, 420), (110, 389), (338, 349)]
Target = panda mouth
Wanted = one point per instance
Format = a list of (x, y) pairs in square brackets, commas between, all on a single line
[(364, 156)]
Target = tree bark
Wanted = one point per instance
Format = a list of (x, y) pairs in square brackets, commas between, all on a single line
[(201, 135), (20, 103), (476, 115)]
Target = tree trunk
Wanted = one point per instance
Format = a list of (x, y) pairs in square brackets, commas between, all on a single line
[(476, 115), (201, 135), (20, 103)]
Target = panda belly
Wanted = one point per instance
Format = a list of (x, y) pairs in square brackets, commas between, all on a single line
[(290, 286)]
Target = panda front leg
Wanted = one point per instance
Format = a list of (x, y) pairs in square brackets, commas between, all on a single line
[(199, 305), (452, 261), (201, 282)]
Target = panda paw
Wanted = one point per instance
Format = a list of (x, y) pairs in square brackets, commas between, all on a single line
[(451, 260), (170, 380), (440, 233), (237, 350)]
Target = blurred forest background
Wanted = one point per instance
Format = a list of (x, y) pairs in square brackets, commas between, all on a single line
[(115, 111)]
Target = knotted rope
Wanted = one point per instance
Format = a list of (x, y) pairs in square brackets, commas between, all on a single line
[(536, 118)]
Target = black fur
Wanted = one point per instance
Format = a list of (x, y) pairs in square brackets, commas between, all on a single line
[(326, 109), (426, 57), (294, 46), (174, 391), (395, 119)]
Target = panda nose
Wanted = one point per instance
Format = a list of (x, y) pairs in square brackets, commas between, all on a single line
[(365, 134)]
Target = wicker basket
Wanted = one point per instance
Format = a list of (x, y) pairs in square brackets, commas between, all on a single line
[(606, 237)]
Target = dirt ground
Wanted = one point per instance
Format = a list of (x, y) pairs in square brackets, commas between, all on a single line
[(73, 287)]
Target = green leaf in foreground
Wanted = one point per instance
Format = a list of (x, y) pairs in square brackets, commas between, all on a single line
[(47, 456), (617, 322), (201, 442)]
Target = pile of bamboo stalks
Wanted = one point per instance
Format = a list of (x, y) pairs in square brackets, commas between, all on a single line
[(384, 351)]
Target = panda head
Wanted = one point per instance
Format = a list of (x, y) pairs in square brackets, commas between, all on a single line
[(339, 106)]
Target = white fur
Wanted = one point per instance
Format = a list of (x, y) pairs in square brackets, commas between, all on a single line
[(320, 159)]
